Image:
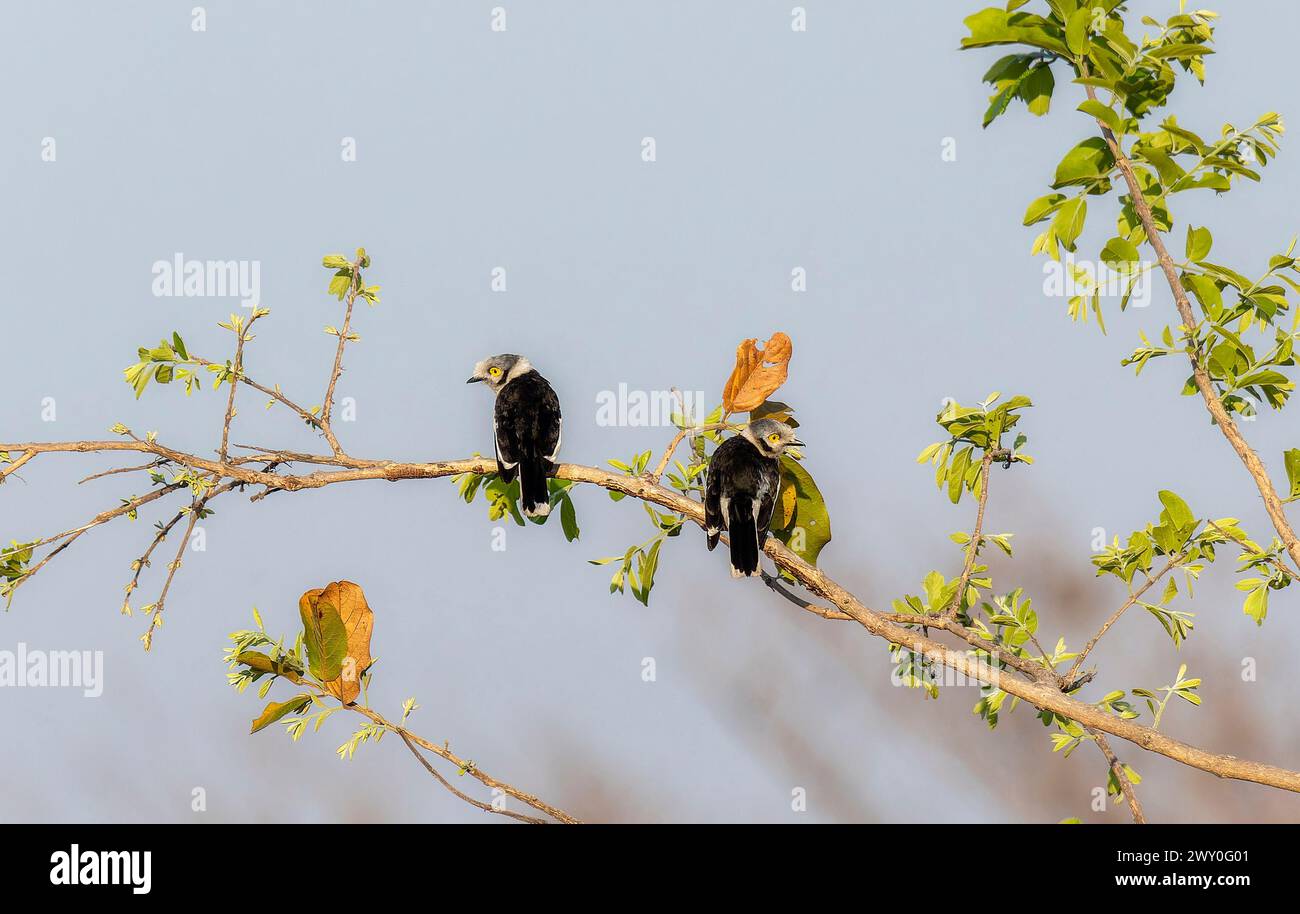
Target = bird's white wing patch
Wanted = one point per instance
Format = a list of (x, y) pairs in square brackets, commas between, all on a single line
[(496, 441), (559, 439)]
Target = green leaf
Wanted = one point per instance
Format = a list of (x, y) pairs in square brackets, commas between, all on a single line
[(1199, 242), (999, 102), (340, 284), (1179, 512), (988, 26), (1009, 68), (568, 518), (325, 637), (1069, 221), (1179, 51), (997, 26), (1119, 252), (1206, 292), (810, 529), (957, 474), (278, 709), (1103, 113), (773, 409), (1043, 207), (258, 661), (1036, 90), (1292, 460), (1256, 605), (647, 566), (1076, 31), (1087, 162)]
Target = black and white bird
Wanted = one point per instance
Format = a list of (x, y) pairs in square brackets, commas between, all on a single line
[(740, 491), (526, 425)]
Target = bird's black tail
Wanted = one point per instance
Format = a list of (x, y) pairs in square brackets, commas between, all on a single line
[(534, 493), (743, 534)]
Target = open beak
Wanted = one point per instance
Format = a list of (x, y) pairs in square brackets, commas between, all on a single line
[(797, 443), (473, 380)]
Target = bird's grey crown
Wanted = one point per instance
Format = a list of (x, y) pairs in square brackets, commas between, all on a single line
[(760, 431), (511, 365)]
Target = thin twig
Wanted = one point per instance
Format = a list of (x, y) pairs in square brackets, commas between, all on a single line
[(151, 465), (327, 408), (486, 807), (1134, 597), (1247, 548), (972, 548), (237, 369), (195, 512), (1121, 778), (273, 393)]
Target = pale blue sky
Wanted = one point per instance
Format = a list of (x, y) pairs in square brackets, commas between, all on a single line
[(522, 149)]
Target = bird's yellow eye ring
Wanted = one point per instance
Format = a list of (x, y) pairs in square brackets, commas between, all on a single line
[(774, 437), (494, 371)]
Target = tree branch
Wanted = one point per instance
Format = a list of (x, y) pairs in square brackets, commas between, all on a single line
[(1254, 466), (15, 464), (1041, 691), (972, 548)]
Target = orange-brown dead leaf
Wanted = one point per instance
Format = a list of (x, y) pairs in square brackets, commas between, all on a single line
[(359, 622), (758, 373)]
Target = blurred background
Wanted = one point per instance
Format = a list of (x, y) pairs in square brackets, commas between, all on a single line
[(522, 149)]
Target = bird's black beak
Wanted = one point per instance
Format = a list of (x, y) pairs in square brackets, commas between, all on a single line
[(797, 443), (473, 380)]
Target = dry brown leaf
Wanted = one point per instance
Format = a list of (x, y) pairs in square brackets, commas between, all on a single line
[(758, 373), (359, 622)]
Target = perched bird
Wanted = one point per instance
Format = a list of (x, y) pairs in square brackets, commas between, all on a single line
[(526, 423), (740, 492)]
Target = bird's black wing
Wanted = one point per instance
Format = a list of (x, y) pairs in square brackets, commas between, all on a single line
[(549, 428), (505, 436), (714, 522), (770, 491)]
